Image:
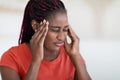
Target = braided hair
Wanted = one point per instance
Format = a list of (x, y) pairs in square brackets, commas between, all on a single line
[(38, 10)]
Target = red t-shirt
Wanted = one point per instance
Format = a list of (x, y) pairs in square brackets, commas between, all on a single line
[(19, 58)]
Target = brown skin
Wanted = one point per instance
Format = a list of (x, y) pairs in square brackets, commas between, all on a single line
[(58, 27), (43, 47)]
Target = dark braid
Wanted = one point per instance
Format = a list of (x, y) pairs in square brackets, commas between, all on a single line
[(38, 10)]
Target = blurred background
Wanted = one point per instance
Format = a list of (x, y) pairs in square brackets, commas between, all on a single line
[(96, 22)]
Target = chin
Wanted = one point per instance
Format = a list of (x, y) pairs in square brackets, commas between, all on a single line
[(52, 48), (57, 48)]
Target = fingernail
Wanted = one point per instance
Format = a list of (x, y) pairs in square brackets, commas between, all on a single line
[(44, 21), (35, 30), (41, 23), (47, 22)]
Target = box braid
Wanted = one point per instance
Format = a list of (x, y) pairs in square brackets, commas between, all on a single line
[(38, 10)]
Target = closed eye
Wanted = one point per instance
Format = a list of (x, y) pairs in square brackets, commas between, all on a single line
[(55, 29), (58, 29), (65, 30)]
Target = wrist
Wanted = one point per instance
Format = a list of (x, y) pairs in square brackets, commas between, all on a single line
[(74, 55), (36, 61), (76, 59)]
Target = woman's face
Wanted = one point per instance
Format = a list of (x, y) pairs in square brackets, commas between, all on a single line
[(58, 29)]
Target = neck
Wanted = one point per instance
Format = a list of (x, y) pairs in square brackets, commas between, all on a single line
[(50, 55)]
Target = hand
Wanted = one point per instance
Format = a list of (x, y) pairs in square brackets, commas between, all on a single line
[(73, 47), (37, 41)]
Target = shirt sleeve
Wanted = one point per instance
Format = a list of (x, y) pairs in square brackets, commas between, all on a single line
[(8, 59)]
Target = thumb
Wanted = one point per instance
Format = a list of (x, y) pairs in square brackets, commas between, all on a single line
[(66, 45), (65, 42)]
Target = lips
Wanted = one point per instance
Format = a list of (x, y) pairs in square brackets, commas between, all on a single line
[(59, 43)]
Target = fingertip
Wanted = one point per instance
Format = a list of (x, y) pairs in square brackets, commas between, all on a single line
[(41, 23), (35, 30), (47, 23), (44, 21)]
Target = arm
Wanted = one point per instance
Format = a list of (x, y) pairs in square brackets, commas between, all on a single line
[(36, 47), (73, 52), (80, 69), (9, 74)]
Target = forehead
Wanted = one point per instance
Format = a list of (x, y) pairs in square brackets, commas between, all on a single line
[(58, 19)]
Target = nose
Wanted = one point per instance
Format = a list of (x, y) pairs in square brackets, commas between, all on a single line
[(61, 36)]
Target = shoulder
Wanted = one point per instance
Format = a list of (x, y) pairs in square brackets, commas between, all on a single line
[(13, 56), (10, 58), (13, 52), (14, 49)]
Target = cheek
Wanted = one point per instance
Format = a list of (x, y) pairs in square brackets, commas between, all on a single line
[(65, 34), (50, 36)]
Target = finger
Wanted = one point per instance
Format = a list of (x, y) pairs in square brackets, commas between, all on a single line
[(41, 31), (44, 33), (41, 23), (72, 35), (74, 38), (41, 26)]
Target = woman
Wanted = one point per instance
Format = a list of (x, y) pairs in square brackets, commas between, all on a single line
[(43, 52)]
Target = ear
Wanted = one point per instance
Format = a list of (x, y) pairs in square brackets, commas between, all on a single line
[(34, 24)]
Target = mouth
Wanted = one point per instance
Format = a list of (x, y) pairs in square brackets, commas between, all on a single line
[(59, 43)]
